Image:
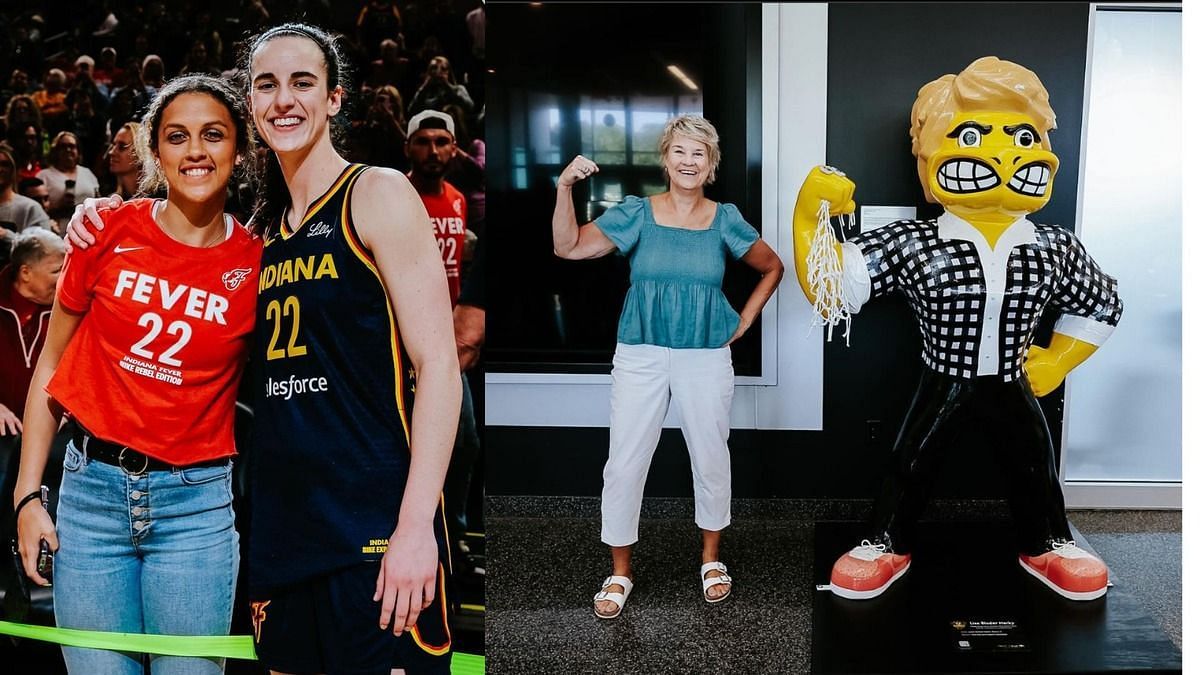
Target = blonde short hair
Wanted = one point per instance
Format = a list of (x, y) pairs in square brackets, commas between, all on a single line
[(987, 84), (696, 128)]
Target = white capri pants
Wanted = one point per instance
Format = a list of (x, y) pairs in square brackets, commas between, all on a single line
[(645, 379)]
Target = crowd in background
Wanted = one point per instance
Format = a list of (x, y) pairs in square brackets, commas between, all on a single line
[(74, 77)]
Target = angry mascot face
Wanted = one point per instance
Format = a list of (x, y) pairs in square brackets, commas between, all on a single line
[(980, 139)]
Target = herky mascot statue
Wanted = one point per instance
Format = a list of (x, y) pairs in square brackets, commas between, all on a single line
[(978, 278)]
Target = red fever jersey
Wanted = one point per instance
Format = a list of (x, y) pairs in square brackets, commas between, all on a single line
[(448, 213), (156, 360)]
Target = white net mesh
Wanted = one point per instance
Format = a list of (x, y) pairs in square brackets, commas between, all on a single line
[(825, 277)]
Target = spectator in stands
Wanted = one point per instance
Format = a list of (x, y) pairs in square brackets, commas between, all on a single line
[(391, 67), (26, 294), (26, 142), (66, 180), (380, 137), (87, 125), (197, 61), (106, 73), (18, 83), (20, 112), (35, 188), (84, 66), (121, 109), (17, 213), (440, 89), (131, 82), (81, 78), (153, 74), (26, 288), (123, 161), (52, 100)]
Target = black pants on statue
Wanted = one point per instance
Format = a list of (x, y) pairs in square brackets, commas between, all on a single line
[(940, 409)]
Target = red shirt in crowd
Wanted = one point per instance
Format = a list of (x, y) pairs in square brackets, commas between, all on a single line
[(23, 326), (448, 213), (156, 360)]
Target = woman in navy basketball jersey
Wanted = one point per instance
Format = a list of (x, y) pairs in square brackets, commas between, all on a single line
[(348, 556)]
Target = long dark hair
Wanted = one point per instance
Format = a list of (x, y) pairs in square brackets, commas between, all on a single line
[(146, 140), (273, 196)]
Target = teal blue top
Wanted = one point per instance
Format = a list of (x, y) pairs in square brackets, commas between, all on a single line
[(675, 297)]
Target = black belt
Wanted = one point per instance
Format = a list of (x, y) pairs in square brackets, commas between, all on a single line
[(128, 459)]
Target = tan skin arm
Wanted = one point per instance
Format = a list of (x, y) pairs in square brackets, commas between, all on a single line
[(393, 223), (469, 327), (1047, 367), (42, 415), (819, 185), (571, 241), (763, 260)]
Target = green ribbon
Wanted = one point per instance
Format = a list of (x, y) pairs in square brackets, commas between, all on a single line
[(228, 646), (208, 646)]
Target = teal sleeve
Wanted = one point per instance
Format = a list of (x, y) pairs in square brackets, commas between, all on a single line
[(622, 224), (739, 235)]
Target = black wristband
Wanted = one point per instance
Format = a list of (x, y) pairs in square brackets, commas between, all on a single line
[(25, 500)]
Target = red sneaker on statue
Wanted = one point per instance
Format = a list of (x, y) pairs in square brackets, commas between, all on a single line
[(866, 571), (1069, 570)]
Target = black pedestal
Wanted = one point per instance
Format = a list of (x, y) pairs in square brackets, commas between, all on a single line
[(965, 606)]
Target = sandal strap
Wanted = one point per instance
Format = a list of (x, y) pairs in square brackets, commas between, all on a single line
[(617, 598), (625, 583), (715, 565), (709, 582)]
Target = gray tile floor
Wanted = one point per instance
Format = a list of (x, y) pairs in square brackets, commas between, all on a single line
[(545, 561)]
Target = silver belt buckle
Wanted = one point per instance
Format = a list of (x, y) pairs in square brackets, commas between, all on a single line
[(139, 472)]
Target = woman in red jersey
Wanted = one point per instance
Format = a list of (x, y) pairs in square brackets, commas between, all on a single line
[(148, 338)]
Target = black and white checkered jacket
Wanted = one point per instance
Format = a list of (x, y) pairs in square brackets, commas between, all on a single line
[(977, 306)]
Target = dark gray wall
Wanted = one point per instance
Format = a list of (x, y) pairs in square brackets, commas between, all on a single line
[(879, 56)]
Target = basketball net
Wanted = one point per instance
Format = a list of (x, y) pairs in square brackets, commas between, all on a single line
[(825, 277)]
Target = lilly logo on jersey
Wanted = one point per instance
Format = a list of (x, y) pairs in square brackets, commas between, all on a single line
[(234, 277), (320, 228)]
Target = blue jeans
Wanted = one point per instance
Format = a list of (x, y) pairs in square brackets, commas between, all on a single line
[(155, 553)]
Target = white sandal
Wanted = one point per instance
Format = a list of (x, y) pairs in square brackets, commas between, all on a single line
[(709, 582), (614, 597)]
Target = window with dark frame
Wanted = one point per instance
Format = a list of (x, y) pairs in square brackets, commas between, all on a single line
[(547, 104)]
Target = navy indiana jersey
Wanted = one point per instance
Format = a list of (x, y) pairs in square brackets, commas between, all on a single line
[(335, 387)]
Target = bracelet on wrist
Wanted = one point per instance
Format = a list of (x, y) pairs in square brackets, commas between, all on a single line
[(37, 494)]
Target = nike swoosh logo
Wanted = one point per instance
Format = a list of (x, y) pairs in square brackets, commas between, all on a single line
[(120, 249)]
